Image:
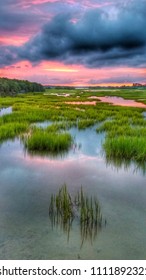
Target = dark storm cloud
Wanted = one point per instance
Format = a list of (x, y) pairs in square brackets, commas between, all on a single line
[(97, 39), (8, 56), (93, 40)]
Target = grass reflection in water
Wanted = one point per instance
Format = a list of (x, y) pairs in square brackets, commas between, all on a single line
[(64, 209)]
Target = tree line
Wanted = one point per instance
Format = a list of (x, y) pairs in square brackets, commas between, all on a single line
[(10, 87)]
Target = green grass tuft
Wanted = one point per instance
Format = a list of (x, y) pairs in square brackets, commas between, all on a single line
[(11, 130), (126, 148), (42, 140)]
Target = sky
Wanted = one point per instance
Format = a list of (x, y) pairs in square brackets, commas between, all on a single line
[(74, 43)]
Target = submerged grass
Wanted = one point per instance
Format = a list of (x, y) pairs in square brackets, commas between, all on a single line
[(63, 209), (61, 204)]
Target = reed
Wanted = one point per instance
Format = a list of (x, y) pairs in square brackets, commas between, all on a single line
[(63, 209), (61, 205)]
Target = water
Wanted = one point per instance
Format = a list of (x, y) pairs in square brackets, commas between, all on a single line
[(144, 115), (119, 101), (44, 124), (5, 111), (27, 182)]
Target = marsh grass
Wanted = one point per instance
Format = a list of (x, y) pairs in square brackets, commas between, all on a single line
[(125, 137), (11, 130), (126, 148), (43, 140), (83, 124), (63, 209), (32, 108), (60, 126)]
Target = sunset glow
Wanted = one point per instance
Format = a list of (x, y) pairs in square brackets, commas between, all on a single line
[(60, 70)]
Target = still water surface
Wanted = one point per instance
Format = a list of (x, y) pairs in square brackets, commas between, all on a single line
[(119, 101), (27, 182), (5, 111)]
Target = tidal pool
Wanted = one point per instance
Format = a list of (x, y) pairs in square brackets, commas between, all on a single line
[(119, 101), (26, 185)]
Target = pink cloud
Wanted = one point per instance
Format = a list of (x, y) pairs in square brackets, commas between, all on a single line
[(74, 75), (15, 40)]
